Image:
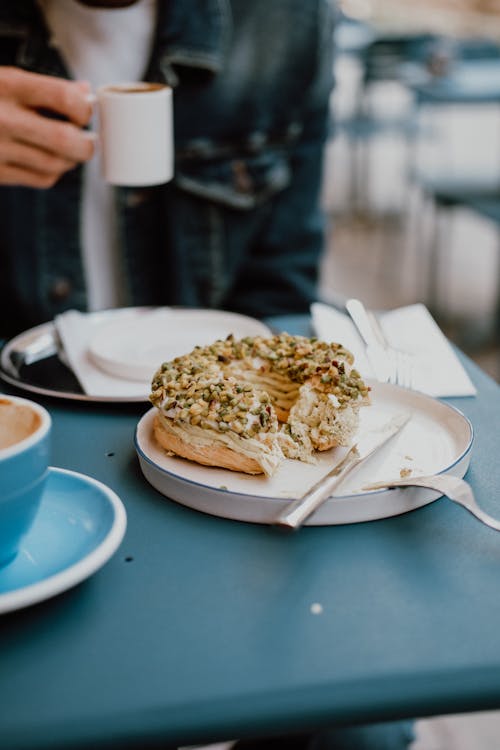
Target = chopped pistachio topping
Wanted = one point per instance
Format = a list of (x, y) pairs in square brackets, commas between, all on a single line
[(205, 397), (198, 388)]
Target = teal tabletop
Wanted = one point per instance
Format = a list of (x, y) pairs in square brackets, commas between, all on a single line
[(200, 629)]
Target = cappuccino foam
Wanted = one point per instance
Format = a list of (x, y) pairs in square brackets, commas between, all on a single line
[(138, 88), (17, 422)]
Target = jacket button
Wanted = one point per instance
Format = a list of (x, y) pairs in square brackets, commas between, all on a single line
[(60, 290), (256, 141), (242, 179), (294, 130)]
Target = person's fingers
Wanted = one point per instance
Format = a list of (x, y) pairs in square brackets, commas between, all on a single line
[(60, 138), (28, 157), (35, 148), (14, 175), (69, 99)]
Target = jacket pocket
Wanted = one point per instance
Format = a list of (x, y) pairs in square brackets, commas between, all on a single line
[(240, 182)]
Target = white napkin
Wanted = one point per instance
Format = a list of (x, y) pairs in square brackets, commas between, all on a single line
[(438, 371), (75, 330)]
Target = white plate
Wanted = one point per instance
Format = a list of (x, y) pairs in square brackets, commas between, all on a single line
[(79, 526), (134, 351), (437, 439), (51, 377)]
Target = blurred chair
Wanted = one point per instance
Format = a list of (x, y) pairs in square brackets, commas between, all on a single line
[(471, 78), (352, 35), (482, 201), (381, 59), (487, 206)]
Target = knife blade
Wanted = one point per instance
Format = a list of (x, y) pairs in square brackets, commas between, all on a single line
[(375, 350), (298, 510), (36, 349)]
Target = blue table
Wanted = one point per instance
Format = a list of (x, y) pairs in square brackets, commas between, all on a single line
[(201, 628)]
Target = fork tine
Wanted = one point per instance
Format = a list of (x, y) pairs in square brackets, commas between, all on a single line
[(395, 366), (404, 374), (393, 371), (400, 360)]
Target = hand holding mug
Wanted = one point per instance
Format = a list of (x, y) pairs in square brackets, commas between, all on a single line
[(42, 130), (36, 149)]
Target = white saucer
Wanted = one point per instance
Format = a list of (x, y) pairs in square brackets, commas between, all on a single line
[(79, 526)]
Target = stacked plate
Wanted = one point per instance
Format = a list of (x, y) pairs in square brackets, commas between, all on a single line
[(112, 355)]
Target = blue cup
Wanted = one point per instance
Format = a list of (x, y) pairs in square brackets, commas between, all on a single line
[(25, 429)]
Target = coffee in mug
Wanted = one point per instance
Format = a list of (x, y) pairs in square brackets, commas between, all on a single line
[(135, 88), (17, 422), (136, 133)]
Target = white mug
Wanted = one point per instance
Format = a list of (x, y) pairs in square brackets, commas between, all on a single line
[(136, 133)]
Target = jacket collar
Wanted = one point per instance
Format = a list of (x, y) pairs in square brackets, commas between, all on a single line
[(190, 33)]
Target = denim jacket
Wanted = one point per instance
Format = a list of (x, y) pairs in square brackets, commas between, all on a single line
[(239, 227)]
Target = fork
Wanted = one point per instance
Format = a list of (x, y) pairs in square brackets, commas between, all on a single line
[(391, 365), (401, 361), (453, 488)]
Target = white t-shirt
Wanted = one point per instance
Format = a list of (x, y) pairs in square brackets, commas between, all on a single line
[(102, 46)]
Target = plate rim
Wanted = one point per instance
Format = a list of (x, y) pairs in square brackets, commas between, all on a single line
[(55, 393), (87, 565), (337, 499)]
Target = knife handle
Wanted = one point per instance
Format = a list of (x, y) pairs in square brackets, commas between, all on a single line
[(296, 512), (361, 320)]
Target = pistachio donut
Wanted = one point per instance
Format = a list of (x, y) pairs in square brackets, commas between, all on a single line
[(246, 404)]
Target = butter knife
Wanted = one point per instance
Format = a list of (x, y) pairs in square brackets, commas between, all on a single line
[(36, 349), (374, 347), (297, 511)]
